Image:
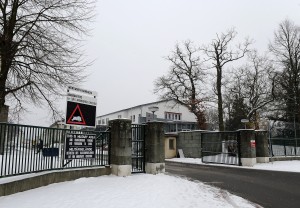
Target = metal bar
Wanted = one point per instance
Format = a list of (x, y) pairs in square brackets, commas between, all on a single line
[(21, 156)]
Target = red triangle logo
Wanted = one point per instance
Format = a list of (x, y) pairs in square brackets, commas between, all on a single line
[(76, 119)]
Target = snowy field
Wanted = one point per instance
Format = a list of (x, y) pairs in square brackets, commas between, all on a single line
[(136, 191)]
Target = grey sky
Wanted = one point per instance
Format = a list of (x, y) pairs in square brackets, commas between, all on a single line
[(130, 39)]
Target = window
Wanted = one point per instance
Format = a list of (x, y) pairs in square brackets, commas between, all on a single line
[(107, 119), (103, 122), (171, 144), (172, 116), (99, 122), (133, 118), (119, 116)]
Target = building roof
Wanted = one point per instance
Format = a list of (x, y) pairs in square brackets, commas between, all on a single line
[(160, 101)]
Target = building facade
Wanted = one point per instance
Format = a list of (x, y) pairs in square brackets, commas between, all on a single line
[(175, 116)]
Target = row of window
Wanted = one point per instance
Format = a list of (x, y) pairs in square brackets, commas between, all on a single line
[(103, 121), (172, 116), (168, 116)]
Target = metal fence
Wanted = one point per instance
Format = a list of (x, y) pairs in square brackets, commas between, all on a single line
[(285, 147), (138, 148), (220, 147), (27, 149)]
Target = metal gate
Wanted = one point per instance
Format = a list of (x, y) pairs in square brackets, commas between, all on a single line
[(138, 148), (220, 147)]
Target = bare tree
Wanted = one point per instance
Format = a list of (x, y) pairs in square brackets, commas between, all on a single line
[(40, 49), (286, 50), (184, 81), (220, 53), (255, 84)]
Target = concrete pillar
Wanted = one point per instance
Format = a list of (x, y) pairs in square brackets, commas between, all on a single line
[(262, 150), (3, 118), (121, 145), (247, 147), (155, 148), (4, 114)]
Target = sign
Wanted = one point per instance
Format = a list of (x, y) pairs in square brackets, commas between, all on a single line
[(252, 143), (80, 114), (80, 146), (81, 107)]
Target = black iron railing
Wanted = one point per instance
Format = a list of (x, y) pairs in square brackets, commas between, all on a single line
[(138, 148), (220, 147), (27, 149), (284, 147)]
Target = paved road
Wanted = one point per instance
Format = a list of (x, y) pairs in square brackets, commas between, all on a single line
[(266, 188)]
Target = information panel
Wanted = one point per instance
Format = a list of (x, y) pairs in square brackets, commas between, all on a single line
[(81, 107), (80, 146)]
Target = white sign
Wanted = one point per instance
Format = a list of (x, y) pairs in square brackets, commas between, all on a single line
[(82, 96), (79, 90)]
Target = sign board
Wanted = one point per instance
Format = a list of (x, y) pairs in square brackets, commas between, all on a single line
[(81, 107), (80, 146), (252, 143), (245, 120), (80, 114)]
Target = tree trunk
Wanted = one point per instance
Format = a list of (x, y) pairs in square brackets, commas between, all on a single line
[(3, 118), (220, 100)]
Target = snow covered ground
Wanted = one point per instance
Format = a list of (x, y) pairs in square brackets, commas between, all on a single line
[(138, 190), (291, 165)]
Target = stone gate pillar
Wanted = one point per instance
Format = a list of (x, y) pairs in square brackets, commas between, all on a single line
[(121, 147), (155, 148), (247, 147), (262, 150)]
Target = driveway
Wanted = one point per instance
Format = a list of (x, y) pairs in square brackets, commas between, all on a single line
[(263, 187)]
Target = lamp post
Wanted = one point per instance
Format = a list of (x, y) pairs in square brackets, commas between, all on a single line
[(153, 109), (245, 121)]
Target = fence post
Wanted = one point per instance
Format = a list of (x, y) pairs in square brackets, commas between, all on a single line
[(155, 148), (247, 147), (262, 151), (121, 145), (3, 118)]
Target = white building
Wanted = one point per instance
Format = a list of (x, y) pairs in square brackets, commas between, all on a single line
[(177, 117)]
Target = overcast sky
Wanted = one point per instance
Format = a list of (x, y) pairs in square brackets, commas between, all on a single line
[(131, 38)]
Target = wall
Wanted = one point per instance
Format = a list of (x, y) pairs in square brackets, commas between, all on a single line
[(43, 179), (190, 143)]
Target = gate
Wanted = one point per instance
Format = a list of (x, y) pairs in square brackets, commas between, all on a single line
[(138, 148), (28, 149), (220, 147)]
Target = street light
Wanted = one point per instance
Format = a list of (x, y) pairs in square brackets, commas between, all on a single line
[(153, 109)]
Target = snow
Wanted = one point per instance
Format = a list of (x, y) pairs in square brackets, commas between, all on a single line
[(290, 165), (138, 190)]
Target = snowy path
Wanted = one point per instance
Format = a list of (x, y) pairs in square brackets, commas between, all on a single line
[(136, 191)]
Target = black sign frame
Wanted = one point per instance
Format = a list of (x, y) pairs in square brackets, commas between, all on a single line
[(80, 114)]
